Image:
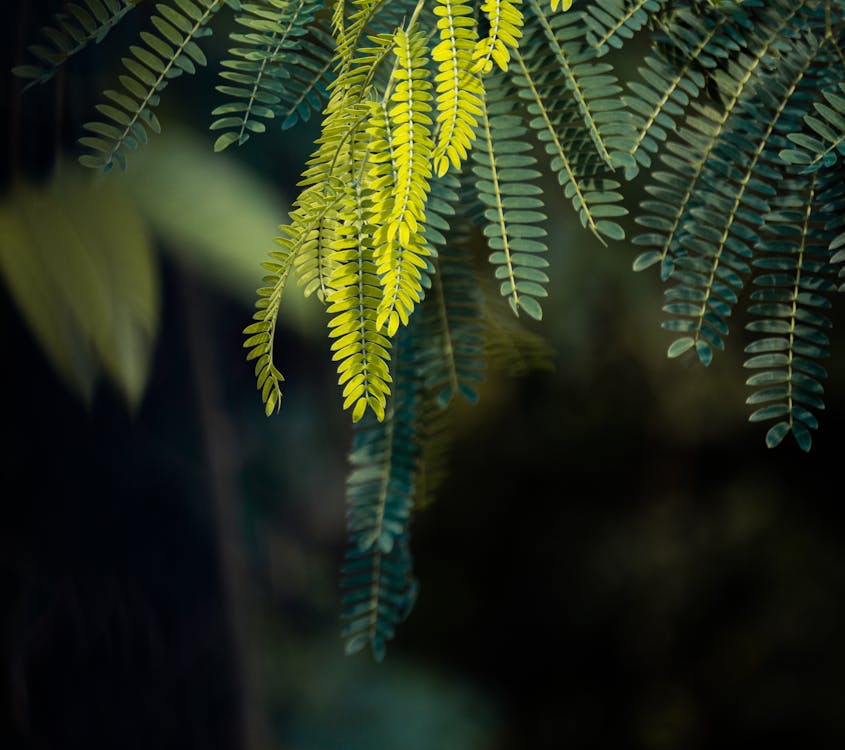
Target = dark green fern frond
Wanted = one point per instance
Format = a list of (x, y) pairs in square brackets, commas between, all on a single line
[(729, 207), (78, 25), (377, 583), (266, 71), (676, 73), (792, 321), (590, 83), (452, 358), (612, 22), (825, 143), (507, 187), (668, 211), (558, 125), (164, 56)]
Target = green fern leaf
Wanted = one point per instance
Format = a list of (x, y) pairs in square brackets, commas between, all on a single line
[(513, 209), (264, 72), (723, 228), (75, 28), (151, 68), (573, 159), (378, 586), (791, 321)]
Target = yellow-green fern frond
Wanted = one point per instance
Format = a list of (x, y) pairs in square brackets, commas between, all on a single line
[(399, 178), (458, 87), (261, 334), (362, 352), (506, 21)]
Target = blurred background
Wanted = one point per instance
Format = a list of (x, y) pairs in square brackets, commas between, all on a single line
[(615, 560)]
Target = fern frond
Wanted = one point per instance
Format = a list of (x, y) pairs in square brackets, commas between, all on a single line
[(261, 69), (590, 83), (505, 20), (572, 159), (672, 77), (673, 192), (612, 22), (378, 586), (361, 350), (506, 170), (76, 26), (826, 141), (458, 87), (731, 205), (791, 318), (452, 357), (164, 56), (401, 203)]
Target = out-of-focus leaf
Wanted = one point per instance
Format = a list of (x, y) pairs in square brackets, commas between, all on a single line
[(211, 210), (79, 264)]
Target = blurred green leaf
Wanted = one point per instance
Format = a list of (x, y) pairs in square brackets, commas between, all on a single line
[(211, 210), (79, 264)]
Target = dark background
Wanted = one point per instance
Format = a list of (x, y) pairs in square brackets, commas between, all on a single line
[(616, 560)]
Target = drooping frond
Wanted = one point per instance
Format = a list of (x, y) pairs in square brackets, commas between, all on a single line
[(274, 70), (78, 25), (826, 141), (458, 86), (505, 28), (401, 249), (590, 84), (362, 351), (675, 73), (164, 56), (668, 211), (559, 127), (791, 317), (507, 187), (612, 22), (729, 207), (452, 358), (377, 582)]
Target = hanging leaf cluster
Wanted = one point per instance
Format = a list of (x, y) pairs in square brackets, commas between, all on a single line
[(432, 117)]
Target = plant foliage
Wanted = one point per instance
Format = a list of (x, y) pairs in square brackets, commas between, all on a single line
[(433, 114)]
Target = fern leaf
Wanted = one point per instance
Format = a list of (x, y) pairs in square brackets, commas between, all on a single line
[(513, 209), (401, 249), (361, 350), (722, 232), (261, 333), (673, 194), (611, 22), (791, 319), (75, 28), (562, 4), (378, 586), (452, 357), (825, 142), (590, 83), (505, 20), (151, 67), (258, 75), (458, 87), (572, 160), (674, 76)]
